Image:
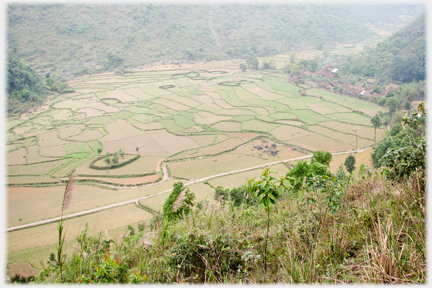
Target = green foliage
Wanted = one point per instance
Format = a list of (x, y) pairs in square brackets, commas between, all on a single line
[(400, 136), (322, 157), (366, 224), (302, 171), (340, 173), (350, 163), (252, 62), (179, 202), (243, 67), (237, 195)]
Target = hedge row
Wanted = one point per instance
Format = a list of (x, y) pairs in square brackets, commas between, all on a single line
[(118, 176), (92, 166)]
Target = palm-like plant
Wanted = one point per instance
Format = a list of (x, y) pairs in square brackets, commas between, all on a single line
[(67, 198)]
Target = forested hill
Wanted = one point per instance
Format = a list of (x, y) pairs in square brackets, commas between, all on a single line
[(79, 39), (401, 57)]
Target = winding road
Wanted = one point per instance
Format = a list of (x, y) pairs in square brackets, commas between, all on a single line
[(165, 178)]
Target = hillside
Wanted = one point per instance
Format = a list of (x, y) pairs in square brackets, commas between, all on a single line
[(400, 57), (76, 39)]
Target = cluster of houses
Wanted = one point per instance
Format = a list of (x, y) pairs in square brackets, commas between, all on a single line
[(331, 73)]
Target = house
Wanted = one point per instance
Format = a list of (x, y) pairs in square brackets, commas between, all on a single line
[(326, 85)]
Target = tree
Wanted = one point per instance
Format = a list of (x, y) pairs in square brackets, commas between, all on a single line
[(243, 67), (267, 191), (179, 202), (137, 148), (393, 104), (115, 159), (376, 122), (349, 163), (252, 62), (99, 150), (322, 157)]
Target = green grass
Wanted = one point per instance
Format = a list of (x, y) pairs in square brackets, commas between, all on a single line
[(183, 121)]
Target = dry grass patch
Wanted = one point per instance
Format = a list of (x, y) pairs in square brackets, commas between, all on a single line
[(176, 106), (353, 118), (219, 147), (52, 151), (21, 130), (290, 122), (138, 93), (260, 92), (32, 204), (285, 132), (361, 158), (239, 179), (91, 112), (148, 126), (203, 140), (200, 168), (326, 108), (72, 104), (228, 126), (33, 155), (35, 169), (70, 130), (24, 269), (87, 135), (104, 107), (209, 118), (258, 125), (362, 131), (127, 181), (173, 143), (50, 139), (98, 222), (316, 142), (223, 104), (17, 157), (203, 99), (121, 95), (146, 144)]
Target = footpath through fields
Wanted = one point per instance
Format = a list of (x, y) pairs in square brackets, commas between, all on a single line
[(166, 177)]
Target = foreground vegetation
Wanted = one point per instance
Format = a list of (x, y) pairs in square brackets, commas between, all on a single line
[(377, 236)]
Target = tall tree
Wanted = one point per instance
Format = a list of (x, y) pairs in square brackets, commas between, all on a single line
[(376, 122), (349, 163)]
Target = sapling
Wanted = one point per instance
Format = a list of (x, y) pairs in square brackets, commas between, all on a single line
[(268, 189)]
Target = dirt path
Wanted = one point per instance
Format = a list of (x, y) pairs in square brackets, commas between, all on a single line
[(166, 177)]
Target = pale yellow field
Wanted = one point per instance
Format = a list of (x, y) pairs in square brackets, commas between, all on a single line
[(361, 158), (35, 169), (50, 139), (317, 142), (98, 222), (121, 95), (52, 151), (147, 146), (363, 131), (33, 155), (71, 130), (239, 179), (228, 126), (17, 157), (87, 135), (285, 133), (173, 143)]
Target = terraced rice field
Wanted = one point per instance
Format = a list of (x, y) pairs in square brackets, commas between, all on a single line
[(197, 120)]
